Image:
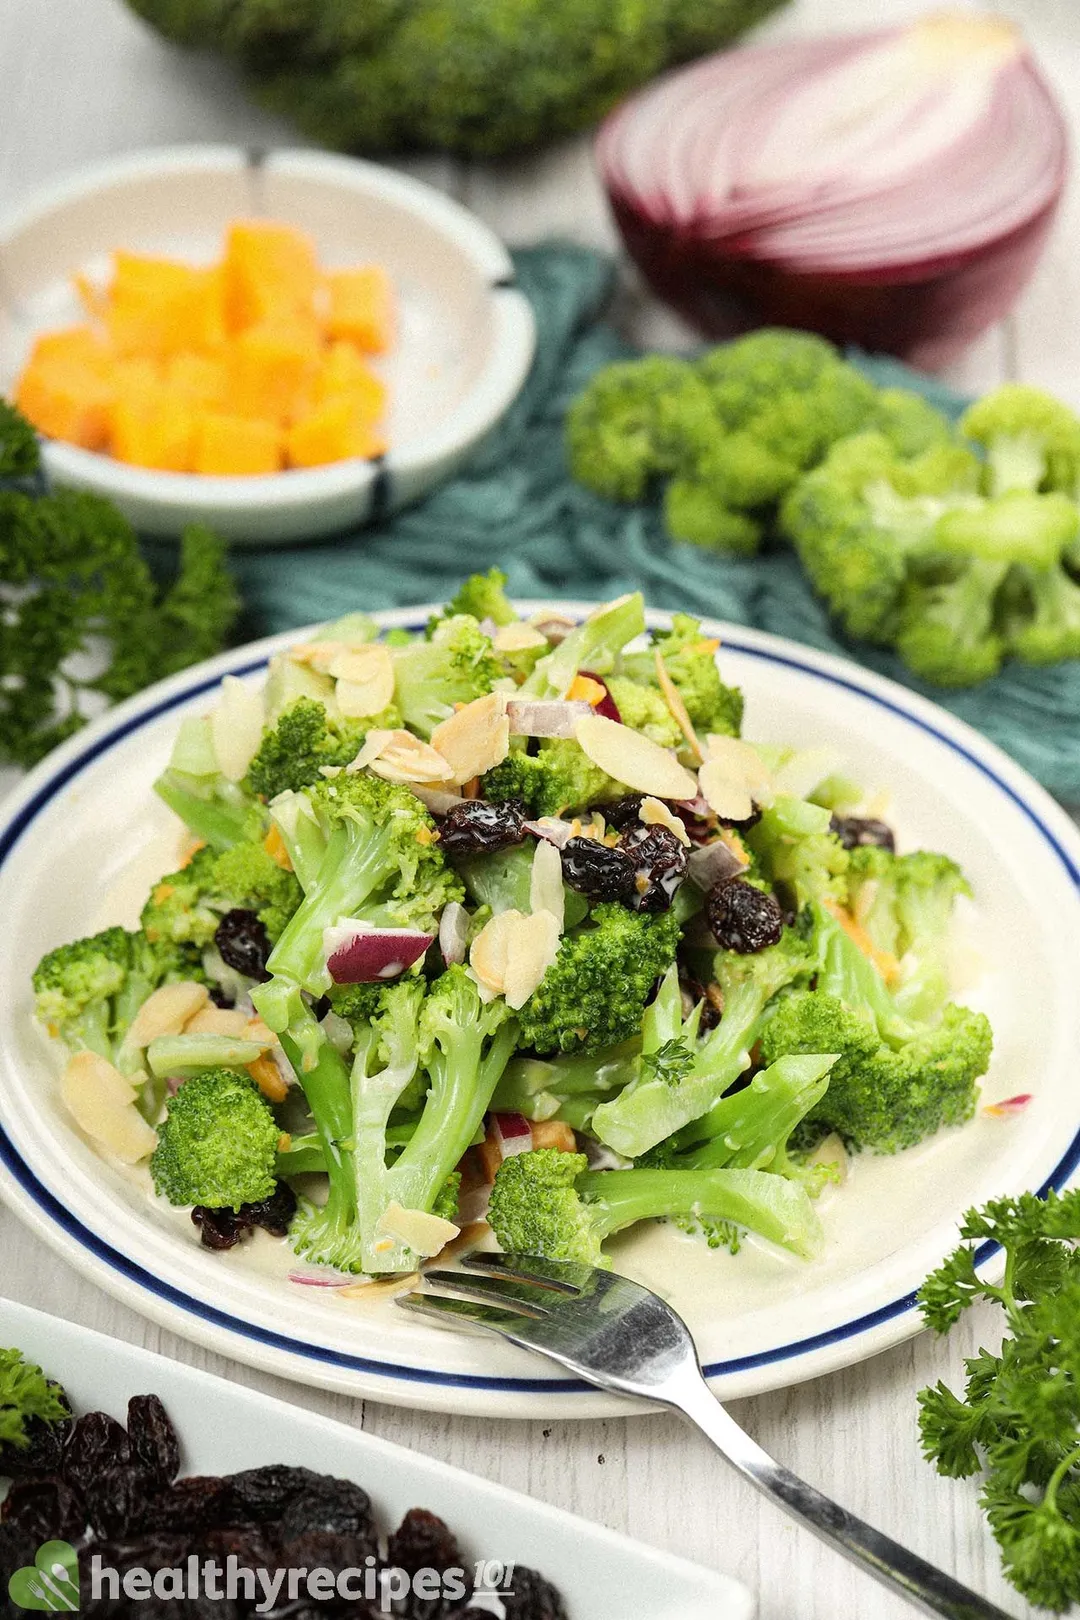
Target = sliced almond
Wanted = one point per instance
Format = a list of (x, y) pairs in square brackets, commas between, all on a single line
[(398, 756), (654, 813), (317, 654), (365, 680), (101, 1101), (423, 1233), (533, 946), (219, 1021), (512, 638), (546, 892), (256, 1030), (725, 797), (236, 725), (476, 738), (633, 759), (676, 706), (744, 765), (373, 1289), (166, 1011), (490, 951)]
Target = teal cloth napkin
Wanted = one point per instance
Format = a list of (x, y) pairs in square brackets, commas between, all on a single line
[(517, 506)]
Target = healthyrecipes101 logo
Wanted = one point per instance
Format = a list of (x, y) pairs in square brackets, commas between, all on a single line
[(51, 1583)]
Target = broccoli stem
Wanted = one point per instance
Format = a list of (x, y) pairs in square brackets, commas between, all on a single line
[(773, 1206), (567, 1086), (324, 1075), (217, 824), (750, 1128), (850, 976), (652, 1110), (593, 645), (356, 861), (304, 839)]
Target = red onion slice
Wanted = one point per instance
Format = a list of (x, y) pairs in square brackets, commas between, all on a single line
[(544, 717), (322, 1278), (358, 953), (512, 1133), (712, 863), (607, 705)]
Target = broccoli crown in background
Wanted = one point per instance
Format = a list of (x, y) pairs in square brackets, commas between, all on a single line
[(479, 77), (218, 1143)]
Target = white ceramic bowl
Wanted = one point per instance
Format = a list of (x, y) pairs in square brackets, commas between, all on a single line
[(466, 339)]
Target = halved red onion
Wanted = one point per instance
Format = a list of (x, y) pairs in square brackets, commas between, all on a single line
[(712, 863), (607, 705), (454, 933), (544, 717), (358, 953), (891, 188)]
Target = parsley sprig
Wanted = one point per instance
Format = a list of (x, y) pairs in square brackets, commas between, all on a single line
[(25, 1392), (1018, 1421)]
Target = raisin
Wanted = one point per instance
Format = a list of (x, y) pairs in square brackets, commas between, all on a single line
[(329, 1507), (117, 1504), (48, 1509), (153, 1440), (475, 827), (693, 991), (659, 862), (17, 1549), (224, 1228), (860, 832), (220, 998), (532, 1598), (42, 1453), (742, 917), (243, 943), (422, 1541), (201, 1502), (96, 1442), (262, 1494), (624, 812), (596, 871)]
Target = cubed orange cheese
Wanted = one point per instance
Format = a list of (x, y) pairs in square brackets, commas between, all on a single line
[(272, 368), (361, 307), (236, 446), (158, 307), (271, 272), (200, 378), (154, 428), (334, 431), (73, 345), (343, 371), (68, 402)]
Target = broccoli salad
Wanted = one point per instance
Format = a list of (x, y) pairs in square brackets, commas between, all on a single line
[(502, 926)]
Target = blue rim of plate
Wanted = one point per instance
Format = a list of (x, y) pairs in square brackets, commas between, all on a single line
[(55, 1212)]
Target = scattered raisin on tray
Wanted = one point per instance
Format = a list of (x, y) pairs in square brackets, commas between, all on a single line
[(243, 943), (154, 1441), (857, 832), (96, 1442), (596, 871), (659, 862), (743, 917), (45, 1508), (475, 827)]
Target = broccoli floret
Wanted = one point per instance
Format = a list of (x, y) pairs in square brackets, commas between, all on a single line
[(292, 754), (382, 76), (880, 1096), (213, 808), (380, 860), (909, 422), (636, 420), (25, 1393), (748, 375), (89, 991), (434, 676), (217, 1145), (186, 907), (483, 596), (857, 520), (645, 709), (927, 886), (594, 993), (1031, 440), (752, 1126), (798, 851), (558, 777), (690, 660), (653, 1108), (694, 512), (548, 1203)]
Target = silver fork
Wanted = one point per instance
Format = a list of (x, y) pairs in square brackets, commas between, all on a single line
[(619, 1336)]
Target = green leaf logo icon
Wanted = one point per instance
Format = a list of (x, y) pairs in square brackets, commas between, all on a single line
[(51, 1583)]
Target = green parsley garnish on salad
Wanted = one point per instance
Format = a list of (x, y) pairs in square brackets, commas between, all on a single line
[(506, 919)]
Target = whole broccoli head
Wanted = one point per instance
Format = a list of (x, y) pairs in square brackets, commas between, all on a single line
[(218, 1143), (186, 907), (386, 76), (594, 993), (690, 660), (880, 1096), (433, 676), (292, 753), (635, 420)]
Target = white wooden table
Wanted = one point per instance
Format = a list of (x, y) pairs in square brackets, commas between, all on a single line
[(80, 79)]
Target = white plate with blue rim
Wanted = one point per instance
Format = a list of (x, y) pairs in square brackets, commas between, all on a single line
[(224, 1428), (84, 837)]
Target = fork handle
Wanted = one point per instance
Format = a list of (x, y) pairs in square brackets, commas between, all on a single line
[(928, 1588)]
